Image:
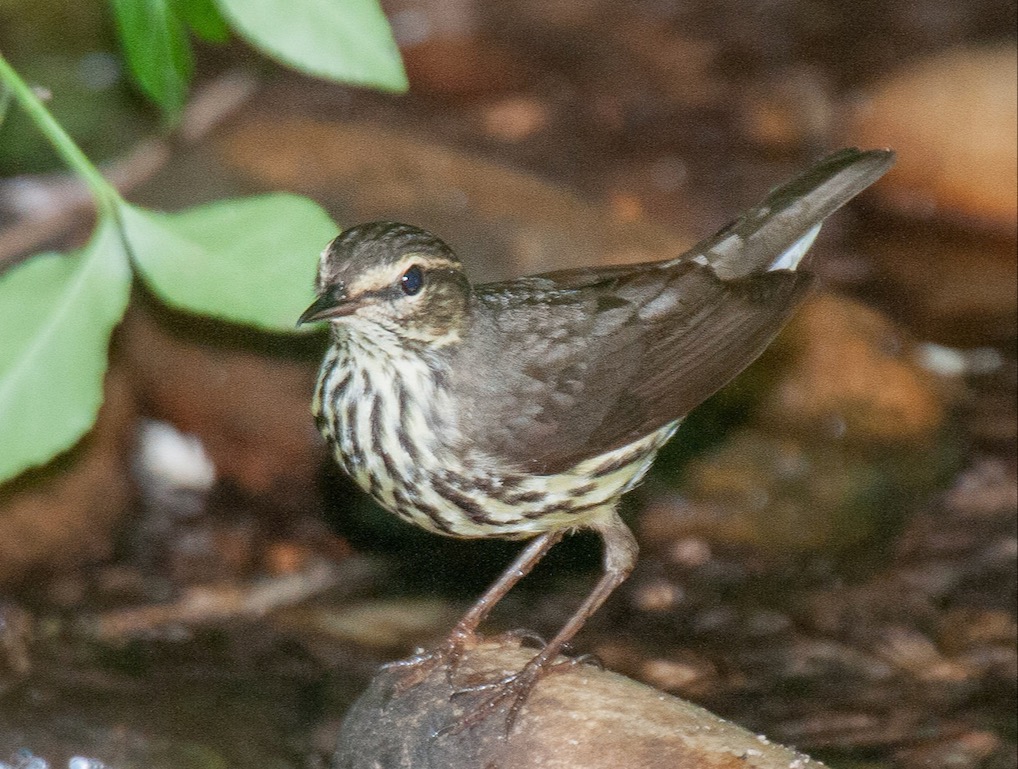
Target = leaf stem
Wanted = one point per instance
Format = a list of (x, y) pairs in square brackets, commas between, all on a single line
[(106, 196), (5, 102)]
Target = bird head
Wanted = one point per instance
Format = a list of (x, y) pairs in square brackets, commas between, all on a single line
[(393, 276)]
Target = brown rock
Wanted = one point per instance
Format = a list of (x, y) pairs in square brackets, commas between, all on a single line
[(584, 718), (850, 376), (953, 120), (65, 514)]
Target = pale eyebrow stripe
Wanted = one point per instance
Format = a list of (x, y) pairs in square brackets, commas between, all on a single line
[(383, 277), (428, 262)]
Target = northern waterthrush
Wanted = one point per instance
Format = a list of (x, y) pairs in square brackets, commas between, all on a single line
[(527, 408)]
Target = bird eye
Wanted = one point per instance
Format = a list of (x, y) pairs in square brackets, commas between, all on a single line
[(412, 280)]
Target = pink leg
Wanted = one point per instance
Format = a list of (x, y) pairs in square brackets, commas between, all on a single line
[(465, 631), (619, 558)]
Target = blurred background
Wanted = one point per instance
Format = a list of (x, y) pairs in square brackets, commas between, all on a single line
[(828, 546)]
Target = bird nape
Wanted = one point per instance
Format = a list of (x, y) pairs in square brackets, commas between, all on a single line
[(525, 409)]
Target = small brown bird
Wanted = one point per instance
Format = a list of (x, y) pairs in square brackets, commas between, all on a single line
[(527, 408)]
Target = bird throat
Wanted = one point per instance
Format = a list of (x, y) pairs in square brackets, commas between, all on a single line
[(380, 404)]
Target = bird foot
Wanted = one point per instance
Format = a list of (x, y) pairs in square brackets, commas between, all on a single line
[(414, 670), (510, 692)]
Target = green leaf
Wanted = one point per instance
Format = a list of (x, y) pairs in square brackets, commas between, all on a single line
[(155, 42), (204, 19), (57, 312), (6, 96), (249, 261), (345, 40)]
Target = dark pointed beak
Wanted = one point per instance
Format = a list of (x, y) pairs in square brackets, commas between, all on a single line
[(333, 303)]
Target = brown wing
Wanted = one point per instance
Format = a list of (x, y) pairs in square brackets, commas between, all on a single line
[(570, 372), (572, 364)]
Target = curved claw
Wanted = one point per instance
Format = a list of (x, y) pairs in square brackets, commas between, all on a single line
[(522, 635), (418, 667), (513, 690), (586, 659), (417, 658)]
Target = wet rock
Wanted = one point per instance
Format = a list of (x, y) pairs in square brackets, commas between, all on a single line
[(582, 718)]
